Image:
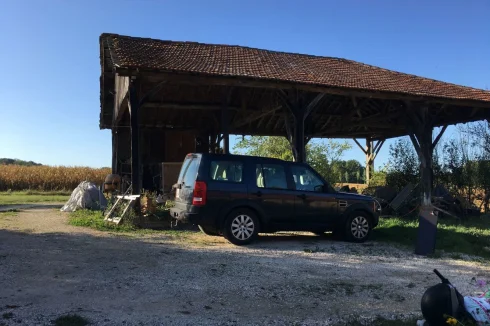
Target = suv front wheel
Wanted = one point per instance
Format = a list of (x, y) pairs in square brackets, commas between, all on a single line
[(358, 227), (241, 226)]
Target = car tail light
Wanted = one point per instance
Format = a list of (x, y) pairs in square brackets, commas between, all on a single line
[(199, 194)]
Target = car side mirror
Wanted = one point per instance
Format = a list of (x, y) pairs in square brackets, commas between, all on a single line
[(319, 188)]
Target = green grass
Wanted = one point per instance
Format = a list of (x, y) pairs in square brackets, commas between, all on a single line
[(469, 237), (95, 220), (30, 196), (70, 320)]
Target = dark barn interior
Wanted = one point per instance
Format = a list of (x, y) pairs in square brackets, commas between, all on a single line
[(164, 99)]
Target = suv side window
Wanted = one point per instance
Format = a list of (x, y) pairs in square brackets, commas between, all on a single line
[(305, 179), (272, 176), (228, 171)]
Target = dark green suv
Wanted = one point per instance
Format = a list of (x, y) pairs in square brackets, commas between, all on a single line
[(240, 196)]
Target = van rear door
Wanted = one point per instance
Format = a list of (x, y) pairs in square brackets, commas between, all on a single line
[(187, 179)]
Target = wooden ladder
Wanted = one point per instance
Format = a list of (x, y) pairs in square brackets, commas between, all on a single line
[(125, 199)]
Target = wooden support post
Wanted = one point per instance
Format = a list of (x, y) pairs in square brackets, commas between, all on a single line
[(114, 149), (421, 137), (369, 159), (299, 135), (289, 135), (371, 151), (225, 122), (299, 112), (135, 154)]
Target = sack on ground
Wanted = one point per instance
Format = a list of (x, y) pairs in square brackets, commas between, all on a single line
[(85, 196)]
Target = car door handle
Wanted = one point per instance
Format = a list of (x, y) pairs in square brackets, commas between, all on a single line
[(302, 196), (258, 193)]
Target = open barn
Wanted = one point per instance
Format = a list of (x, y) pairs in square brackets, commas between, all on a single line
[(163, 99)]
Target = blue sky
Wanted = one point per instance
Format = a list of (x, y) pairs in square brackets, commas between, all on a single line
[(49, 88)]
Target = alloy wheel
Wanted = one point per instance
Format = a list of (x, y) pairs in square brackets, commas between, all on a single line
[(242, 227), (359, 227)]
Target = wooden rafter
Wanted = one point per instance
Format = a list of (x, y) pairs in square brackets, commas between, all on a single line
[(360, 146), (278, 121), (313, 104), (255, 117), (377, 148), (438, 137)]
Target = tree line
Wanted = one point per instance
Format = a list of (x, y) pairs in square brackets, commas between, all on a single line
[(323, 155), (14, 161)]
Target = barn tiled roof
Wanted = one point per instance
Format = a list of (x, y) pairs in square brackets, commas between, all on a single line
[(237, 61)]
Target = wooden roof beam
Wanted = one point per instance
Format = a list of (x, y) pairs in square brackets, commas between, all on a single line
[(201, 79), (178, 106)]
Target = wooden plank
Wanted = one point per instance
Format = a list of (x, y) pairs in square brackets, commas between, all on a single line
[(402, 196), (121, 87)]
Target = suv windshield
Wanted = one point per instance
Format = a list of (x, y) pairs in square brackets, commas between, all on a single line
[(188, 172)]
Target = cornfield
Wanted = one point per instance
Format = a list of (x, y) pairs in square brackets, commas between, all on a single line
[(48, 178)]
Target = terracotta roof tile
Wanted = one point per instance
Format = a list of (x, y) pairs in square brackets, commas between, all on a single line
[(237, 61)]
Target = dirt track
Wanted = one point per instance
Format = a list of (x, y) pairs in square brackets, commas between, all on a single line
[(48, 269)]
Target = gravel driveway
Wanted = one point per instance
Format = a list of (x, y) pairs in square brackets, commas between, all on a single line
[(49, 269)]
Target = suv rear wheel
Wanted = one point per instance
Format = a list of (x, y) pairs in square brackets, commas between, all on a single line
[(358, 227), (241, 226)]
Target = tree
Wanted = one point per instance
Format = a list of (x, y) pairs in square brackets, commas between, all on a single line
[(348, 171), (479, 135), (404, 164), (320, 154)]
